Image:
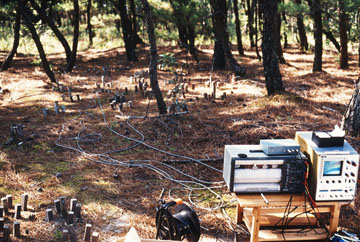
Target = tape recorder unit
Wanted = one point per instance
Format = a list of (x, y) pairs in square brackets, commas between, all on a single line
[(275, 166)]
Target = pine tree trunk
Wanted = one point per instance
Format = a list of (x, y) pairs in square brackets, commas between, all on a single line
[(285, 34), (278, 39), (183, 43), (250, 14), (316, 12), (177, 7), (88, 18), (351, 119), (191, 38), (301, 28), (185, 28), (272, 74), (257, 23), (218, 59), (153, 58), (127, 31), (343, 35), (358, 29), (7, 62), (332, 39), (53, 27), (135, 37), (72, 60), (237, 27), (219, 10), (27, 18)]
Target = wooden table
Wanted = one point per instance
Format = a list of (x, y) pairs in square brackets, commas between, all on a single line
[(252, 209)]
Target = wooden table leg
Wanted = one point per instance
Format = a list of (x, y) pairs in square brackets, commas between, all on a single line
[(334, 219), (239, 213), (255, 227)]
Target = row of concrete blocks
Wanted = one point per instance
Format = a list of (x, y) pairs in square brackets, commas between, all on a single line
[(5, 228), (88, 235), (7, 204), (60, 208)]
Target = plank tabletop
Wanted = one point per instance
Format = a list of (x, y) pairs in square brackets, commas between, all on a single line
[(256, 200)]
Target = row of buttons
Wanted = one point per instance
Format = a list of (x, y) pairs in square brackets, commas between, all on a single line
[(336, 196), (339, 181)]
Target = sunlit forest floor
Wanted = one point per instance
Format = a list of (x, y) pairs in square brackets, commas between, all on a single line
[(116, 198)]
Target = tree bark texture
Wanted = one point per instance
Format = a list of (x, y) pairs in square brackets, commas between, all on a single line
[(88, 21), (250, 13), (316, 12), (219, 59), (185, 27), (153, 58), (238, 28), (7, 62), (301, 29), (135, 37), (285, 34), (53, 27), (332, 39), (27, 16), (257, 23), (279, 51), (358, 29), (219, 10), (72, 61), (130, 45), (351, 119), (272, 73), (343, 35)]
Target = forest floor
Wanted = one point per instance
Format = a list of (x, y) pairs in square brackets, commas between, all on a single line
[(60, 156)]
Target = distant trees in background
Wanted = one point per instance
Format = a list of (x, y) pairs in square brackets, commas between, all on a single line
[(310, 24)]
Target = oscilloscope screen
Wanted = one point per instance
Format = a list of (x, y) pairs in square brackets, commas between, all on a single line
[(332, 168)]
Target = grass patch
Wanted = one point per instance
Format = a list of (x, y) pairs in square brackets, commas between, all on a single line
[(288, 99)]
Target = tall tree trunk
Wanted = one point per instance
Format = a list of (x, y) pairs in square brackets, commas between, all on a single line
[(191, 35), (127, 31), (185, 27), (285, 34), (27, 16), (218, 59), (237, 27), (343, 35), (135, 37), (351, 119), (332, 39), (153, 58), (301, 28), (279, 51), (316, 12), (72, 60), (219, 10), (178, 13), (7, 62), (358, 29), (88, 18), (256, 29), (250, 14), (272, 73), (53, 27)]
